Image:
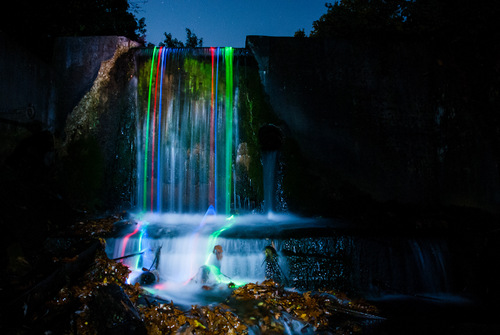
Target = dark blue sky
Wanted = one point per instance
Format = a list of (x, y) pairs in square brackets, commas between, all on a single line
[(227, 22)]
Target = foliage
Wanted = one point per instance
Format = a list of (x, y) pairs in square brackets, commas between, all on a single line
[(300, 33), (166, 318), (46, 18), (192, 41), (81, 295), (353, 17), (171, 42), (423, 17), (272, 305), (264, 307), (101, 227)]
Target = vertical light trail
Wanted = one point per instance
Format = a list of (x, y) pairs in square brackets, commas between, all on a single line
[(147, 135), (212, 242), (215, 130), (228, 54), (158, 169), (154, 130), (212, 239), (141, 235), (211, 196)]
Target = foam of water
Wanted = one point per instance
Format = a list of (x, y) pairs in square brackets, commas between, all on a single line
[(186, 243), (374, 266)]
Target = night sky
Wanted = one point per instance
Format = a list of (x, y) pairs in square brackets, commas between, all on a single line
[(228, 22)]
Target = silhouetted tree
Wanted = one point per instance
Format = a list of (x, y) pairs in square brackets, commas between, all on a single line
[(353, 17), (443, 19), (300, 33), (171, 42), (192, 41), (45, 18)]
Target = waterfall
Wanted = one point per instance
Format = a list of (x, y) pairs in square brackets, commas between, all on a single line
[(271, 140), (185, 130), (400, 265), (269, 162)]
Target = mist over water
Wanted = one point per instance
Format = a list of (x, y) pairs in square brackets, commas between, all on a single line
[(186, 243)]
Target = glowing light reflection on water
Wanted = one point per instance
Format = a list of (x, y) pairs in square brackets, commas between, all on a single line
[(186, 242)]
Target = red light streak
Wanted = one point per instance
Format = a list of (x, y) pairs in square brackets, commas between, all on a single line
[(126, 238)]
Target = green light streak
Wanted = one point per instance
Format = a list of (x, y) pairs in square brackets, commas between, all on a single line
[(141, 235), (228, 54), (214, 236), (212, 239), (147, 134), (222, 278)]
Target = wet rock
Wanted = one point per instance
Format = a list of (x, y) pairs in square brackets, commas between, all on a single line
[(147, 278)]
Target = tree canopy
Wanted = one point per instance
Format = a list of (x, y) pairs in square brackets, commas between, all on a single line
[(351, 17), (429, 18), (192, 41), (45, 18)]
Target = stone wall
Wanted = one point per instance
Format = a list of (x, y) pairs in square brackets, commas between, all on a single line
[(78, 95), (98, 109), (25, 89), (387, 120), (379, 119)]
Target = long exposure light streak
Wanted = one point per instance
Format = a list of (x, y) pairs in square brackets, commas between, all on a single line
[(228, 53), (158, 169), (211, 170), (212, 239), (212, 242), (139, 248), (154, 130), (147, 135), (187, 135), (126, 238), (215, 129)]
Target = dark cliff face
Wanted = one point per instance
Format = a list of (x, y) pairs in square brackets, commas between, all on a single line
[(81, 102), (97, 154), (389, 120)]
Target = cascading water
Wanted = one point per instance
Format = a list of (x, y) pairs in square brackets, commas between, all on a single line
[(185, 130), (187, 148), (270, 140), (269, 162)]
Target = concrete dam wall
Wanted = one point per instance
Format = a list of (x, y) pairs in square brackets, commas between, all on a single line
[(388, 119)]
